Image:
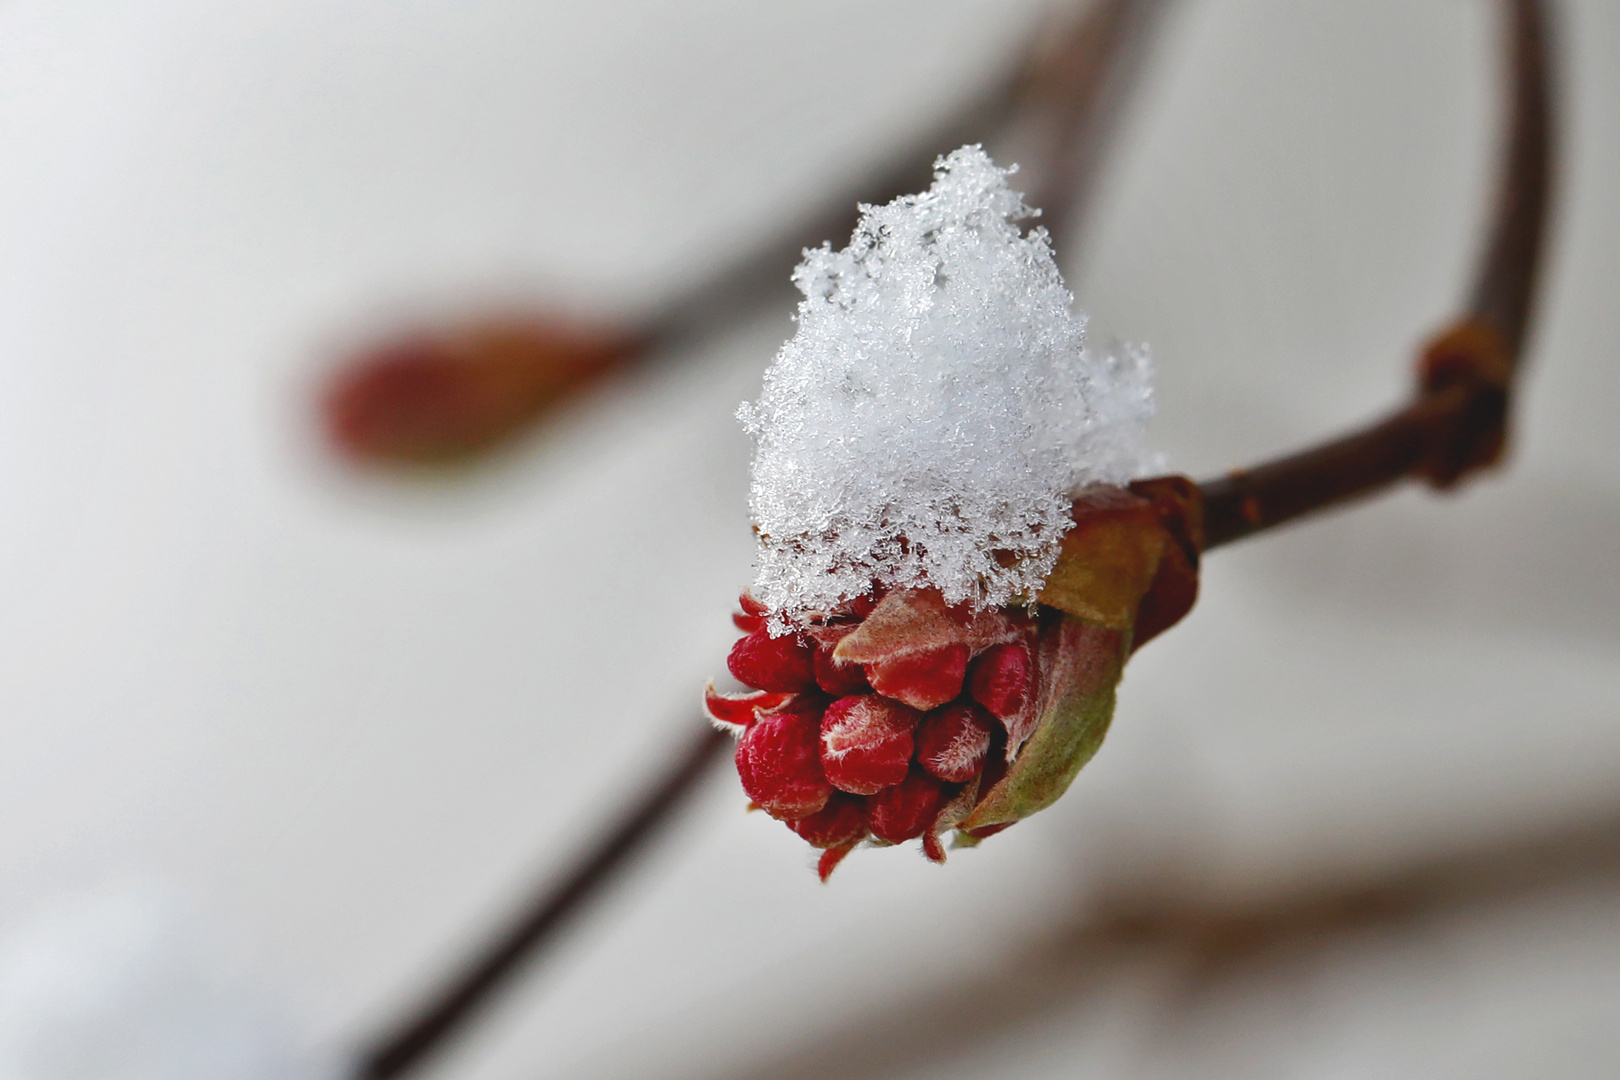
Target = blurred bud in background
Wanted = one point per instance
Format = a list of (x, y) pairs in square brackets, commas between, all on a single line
[(437, 395)]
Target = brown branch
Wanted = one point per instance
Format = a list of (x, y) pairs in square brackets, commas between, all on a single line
[(1457, 422), (427, 1027), (1215, 943)]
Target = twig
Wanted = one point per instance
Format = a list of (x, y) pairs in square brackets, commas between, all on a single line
[(426, 1029), (1457, 421), (1215, 942)]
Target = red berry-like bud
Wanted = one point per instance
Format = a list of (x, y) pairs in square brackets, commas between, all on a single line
[(836, 678), (1002, 679), (923, 680), (780, 664), (866, 743), (951, 742), (841, 823), (907, 810), (779, 761)]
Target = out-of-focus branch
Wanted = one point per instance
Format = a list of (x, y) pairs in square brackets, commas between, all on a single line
[(1209, 944), (1070, 101), (398, 1050), (1457, 422), (454, 391)]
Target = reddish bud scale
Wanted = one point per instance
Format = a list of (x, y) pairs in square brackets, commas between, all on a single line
[(462, 389), (830, 859), (735, 711)]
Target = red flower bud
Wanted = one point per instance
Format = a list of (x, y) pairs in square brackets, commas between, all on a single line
[(779, 761), (866, 743), (951, 742), (923, 680), (780, 664), (837, 677), (841, 823), (907, 810), (1016, 701), (1003, 681)]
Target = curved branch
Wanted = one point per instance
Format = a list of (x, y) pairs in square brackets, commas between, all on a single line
[(427, 1027), (1458, 420)]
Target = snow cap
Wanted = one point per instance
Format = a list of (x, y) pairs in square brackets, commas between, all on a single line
[(928, 421)]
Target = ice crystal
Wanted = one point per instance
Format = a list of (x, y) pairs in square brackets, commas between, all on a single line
[(936, 407)]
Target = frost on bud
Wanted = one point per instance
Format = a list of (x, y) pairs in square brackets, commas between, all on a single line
[(925, 425)]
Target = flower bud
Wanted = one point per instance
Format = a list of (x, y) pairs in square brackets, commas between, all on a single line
[(951, 742), (923, 680), (841, 823), (897, 716), (1003, 681), (779, 761), (866, 743), (836, 677), (906, 810), (781, 664)]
